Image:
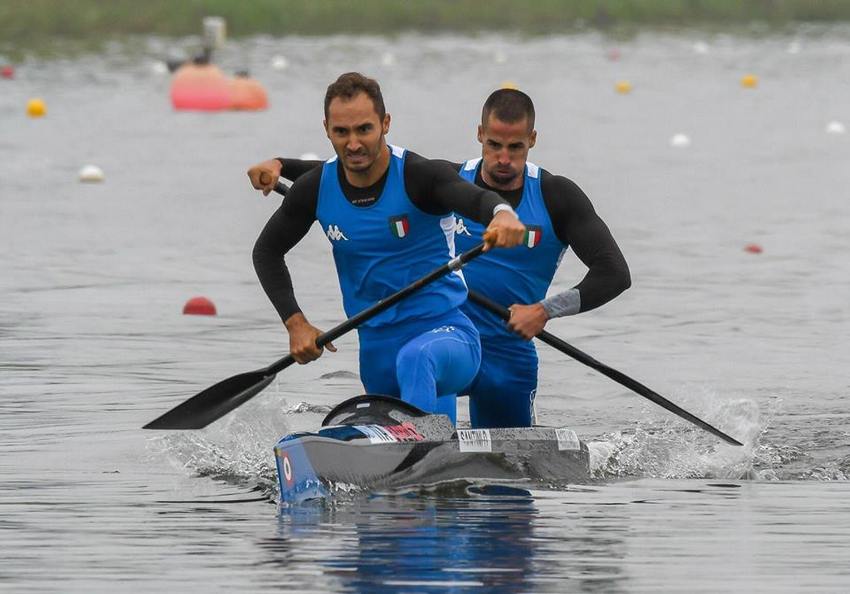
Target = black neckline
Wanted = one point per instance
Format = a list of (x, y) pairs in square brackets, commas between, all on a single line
[(362, 197)]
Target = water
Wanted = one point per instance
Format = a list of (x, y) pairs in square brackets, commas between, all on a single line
[(93, 343)]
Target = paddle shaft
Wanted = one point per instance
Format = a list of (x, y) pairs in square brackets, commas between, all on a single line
[(617, 376), (370, 312)]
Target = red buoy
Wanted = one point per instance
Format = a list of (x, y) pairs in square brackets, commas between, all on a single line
[(7, 72), (753, 248), (199, 306)]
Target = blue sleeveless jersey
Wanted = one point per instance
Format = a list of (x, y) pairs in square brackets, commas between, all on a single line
[(516, 275), (384, 247)]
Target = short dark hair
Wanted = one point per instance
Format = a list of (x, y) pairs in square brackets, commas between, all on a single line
[(350, 84), (508, 105)]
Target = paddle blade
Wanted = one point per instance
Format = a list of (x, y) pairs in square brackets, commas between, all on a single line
[(213, 403)]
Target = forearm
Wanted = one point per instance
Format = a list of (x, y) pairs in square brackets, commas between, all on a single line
[(292, 169), (601, 284), (277, 238), (606, 279), (566, 303), (275, 279)]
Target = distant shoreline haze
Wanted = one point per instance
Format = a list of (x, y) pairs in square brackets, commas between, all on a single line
[(37, 22)]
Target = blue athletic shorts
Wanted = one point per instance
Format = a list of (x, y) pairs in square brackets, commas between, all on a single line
[(502, 394), (424, 362)]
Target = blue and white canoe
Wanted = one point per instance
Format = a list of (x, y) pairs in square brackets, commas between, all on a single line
[(375, 442)]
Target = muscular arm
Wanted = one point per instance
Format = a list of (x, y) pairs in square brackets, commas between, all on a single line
[(285, 228), (435, 187), (452, 164), (576, 224), (292, 169)]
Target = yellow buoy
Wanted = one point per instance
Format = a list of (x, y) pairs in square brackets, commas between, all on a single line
[(36, 108), (509, 84), (749, 81), (623, 87)]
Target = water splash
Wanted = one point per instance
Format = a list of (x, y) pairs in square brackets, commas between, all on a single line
[(307, 407), (236, 449), (665, 447)]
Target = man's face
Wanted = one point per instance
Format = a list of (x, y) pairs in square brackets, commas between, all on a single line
[(356, 131), (504, 149)]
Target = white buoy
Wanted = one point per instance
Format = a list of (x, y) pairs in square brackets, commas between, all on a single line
[(680, 141), (309, 157), (701, 47), (91, 173), (279, 63), (835, 128), (794, 47), (500, 57), (159, 68), (388, 59)]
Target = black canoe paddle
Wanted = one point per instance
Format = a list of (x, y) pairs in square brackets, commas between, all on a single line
[(218, 400), (617, 376)]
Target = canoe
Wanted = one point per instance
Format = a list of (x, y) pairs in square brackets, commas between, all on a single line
[(373, 442)]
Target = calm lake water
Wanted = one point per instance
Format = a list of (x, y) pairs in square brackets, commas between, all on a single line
[(93, 345)]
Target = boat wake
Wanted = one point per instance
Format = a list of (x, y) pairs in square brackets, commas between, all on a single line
[(236, 449), (665, 447)]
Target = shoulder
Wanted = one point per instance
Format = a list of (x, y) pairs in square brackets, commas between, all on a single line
[(309, 182), (563, 192), (559, 184)]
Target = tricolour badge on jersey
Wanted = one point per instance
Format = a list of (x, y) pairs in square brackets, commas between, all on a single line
[(533, 235), (399, 226)]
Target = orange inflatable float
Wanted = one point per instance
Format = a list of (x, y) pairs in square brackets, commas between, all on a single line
[(204, 87), (201, 87), (247, 93)]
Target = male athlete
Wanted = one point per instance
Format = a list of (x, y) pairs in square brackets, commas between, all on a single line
[(388, 214), (557, 215)]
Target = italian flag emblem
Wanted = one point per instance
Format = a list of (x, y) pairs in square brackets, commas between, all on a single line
[(533, 235), (399, 226)]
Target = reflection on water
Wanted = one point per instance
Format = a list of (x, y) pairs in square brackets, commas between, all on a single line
[(485, 540), (659, 536)]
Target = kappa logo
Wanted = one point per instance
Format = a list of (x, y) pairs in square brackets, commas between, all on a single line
[(460, 227), (335, 233)]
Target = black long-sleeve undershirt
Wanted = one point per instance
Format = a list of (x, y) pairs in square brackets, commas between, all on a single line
[(433, 186), (577, 225), (574, 220)]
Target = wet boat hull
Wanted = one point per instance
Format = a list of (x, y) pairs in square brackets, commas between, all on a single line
[(377, 443)]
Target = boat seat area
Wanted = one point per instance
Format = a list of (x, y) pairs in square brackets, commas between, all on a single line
[(371, 409)]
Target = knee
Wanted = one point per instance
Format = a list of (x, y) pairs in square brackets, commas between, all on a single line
[(415, 357)]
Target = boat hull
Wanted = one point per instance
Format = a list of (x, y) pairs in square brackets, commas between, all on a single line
[(400, 450)]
